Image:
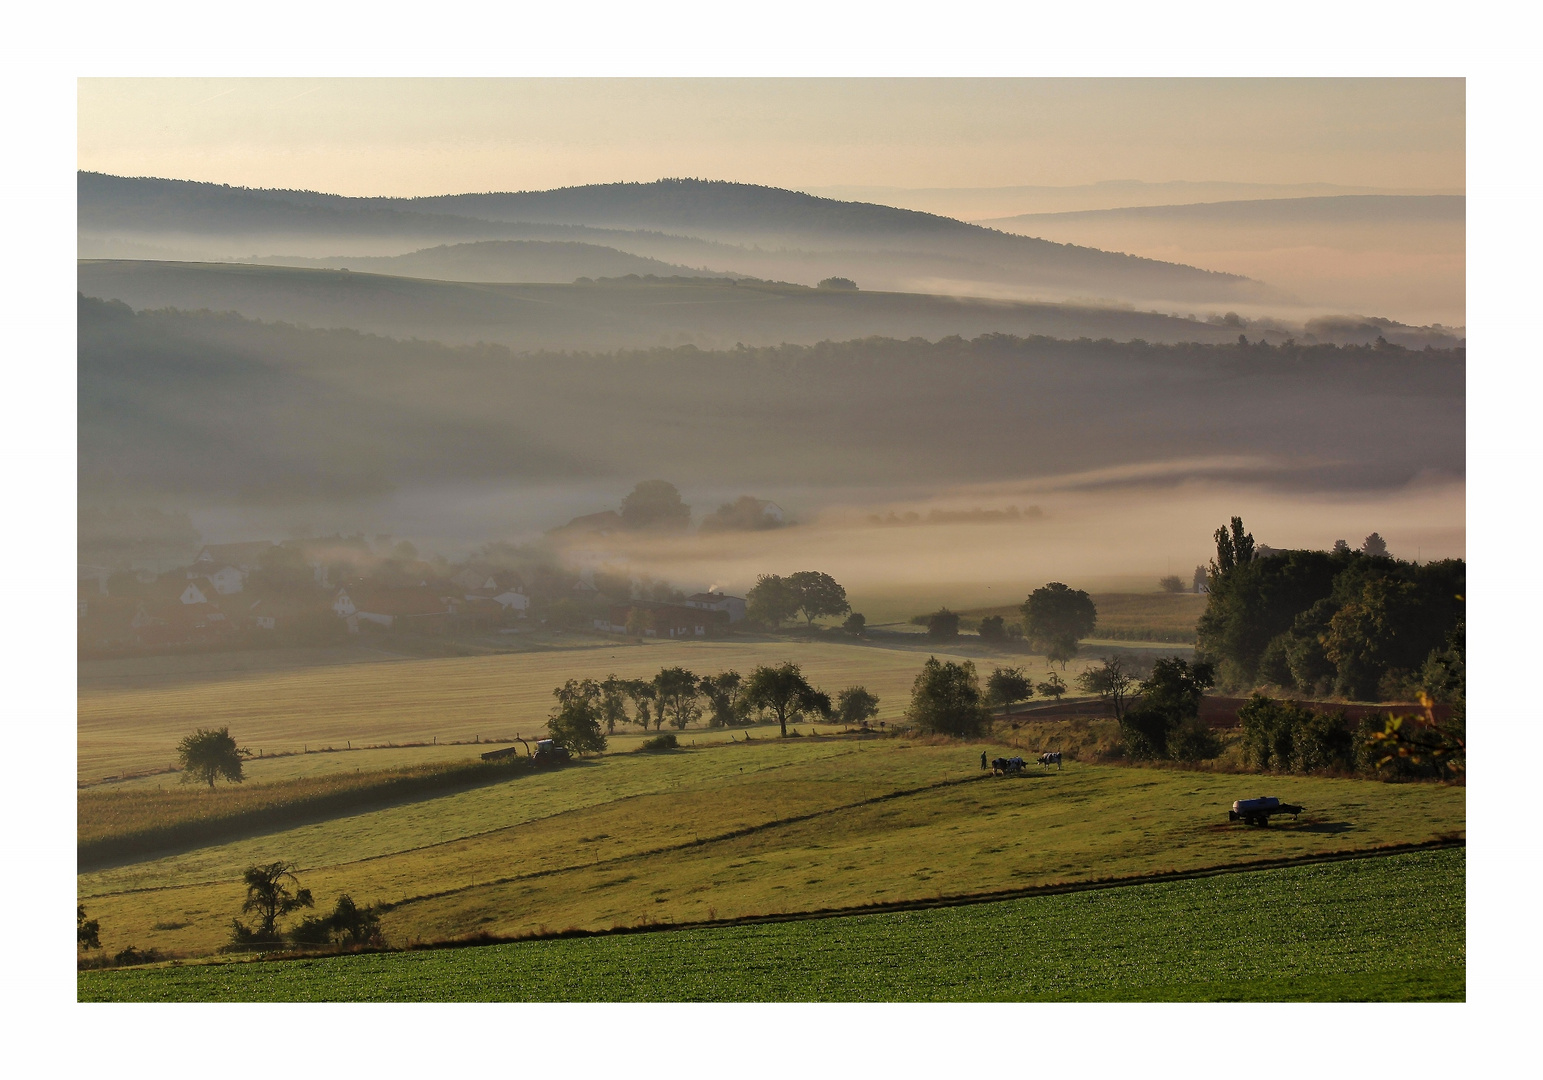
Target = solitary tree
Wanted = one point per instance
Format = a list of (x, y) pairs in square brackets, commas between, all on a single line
[(207, 754), (771, 600), (946, 699), (1171, 583), (1053, 687), (86, 930), (676, 696), (818, 595), (856, 705), (1008, 686), (1056, 617), (785, 693), (655, 504), (1110, 682), (268, 895), (993, 628), (855, 624)]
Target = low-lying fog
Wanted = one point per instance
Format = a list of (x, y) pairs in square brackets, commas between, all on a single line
[(1080, 533)]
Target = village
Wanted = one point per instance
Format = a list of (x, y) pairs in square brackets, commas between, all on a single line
[(323, 591)]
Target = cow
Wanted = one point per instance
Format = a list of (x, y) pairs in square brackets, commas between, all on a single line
[(1052, 757), (998, 765), (1007, 766)]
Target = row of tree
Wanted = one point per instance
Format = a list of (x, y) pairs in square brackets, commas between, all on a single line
[(589, 710)]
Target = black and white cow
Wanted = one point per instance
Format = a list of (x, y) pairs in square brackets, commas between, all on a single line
[(1052, 757)]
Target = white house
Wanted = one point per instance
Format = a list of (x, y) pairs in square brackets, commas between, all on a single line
[(226, 580), (717, 601)]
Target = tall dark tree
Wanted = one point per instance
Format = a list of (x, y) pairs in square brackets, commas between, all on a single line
[(613, 703), (1053, 687), (946, 699), (655, 504), (785, 693), (818, 595), (641, 693), (1056, 617), (1375, 546), (208, 754), (1234, 548)]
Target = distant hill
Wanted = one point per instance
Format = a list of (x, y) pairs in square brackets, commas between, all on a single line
[(773, 233), (1401, 256), (502, 260), (604, 315), (221, 407)]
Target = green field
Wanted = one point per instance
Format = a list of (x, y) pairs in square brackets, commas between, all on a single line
[(1387, 928), (743, 830)]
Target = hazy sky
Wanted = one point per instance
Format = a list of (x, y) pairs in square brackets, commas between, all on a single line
[(430, 136)]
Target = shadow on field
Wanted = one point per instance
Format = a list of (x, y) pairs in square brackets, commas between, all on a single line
[(111, 853)]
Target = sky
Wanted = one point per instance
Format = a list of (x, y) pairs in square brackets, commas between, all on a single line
[(404, 137)]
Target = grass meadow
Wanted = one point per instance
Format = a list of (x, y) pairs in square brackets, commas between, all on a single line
[(731, 831), (1386, 928)]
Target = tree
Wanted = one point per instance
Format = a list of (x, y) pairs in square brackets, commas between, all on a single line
[(725, 698), (943, 625), (655, 504), (1056, 617), (613, 703), (1112, 682), (1375, 546), (575, 723), (992, 628), (946, 699), (207, 754), (676, 694), (745, 514), (1170, 704), (1201, 577), (837, 283), (1008, 686), (784, 692), (818, 595), (1234, 548), (1341, 547), (641, 693), (86, 930), (1053, 687), (856, 705), (354, 925), (270, 898), (771, 600), (1172, 583), (855, 624)]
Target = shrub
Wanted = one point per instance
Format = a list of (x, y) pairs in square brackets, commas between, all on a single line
[(1287, 737), (943, 625), (666, 741)]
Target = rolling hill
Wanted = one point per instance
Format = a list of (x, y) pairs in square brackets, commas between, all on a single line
[(768, 232)]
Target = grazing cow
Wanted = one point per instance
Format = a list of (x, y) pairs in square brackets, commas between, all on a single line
[(998, 765), (1007, 766), (1052, 757)]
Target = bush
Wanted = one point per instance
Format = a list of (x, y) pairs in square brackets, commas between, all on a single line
[(943, 625), (1287, 737), (1193, 741), (666, 741)]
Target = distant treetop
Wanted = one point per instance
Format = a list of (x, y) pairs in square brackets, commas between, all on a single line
[(837, 283)]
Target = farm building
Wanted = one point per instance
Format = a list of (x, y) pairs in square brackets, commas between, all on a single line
[(717, 601)]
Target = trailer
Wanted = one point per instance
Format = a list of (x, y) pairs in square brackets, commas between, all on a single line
[(1259, 811)]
